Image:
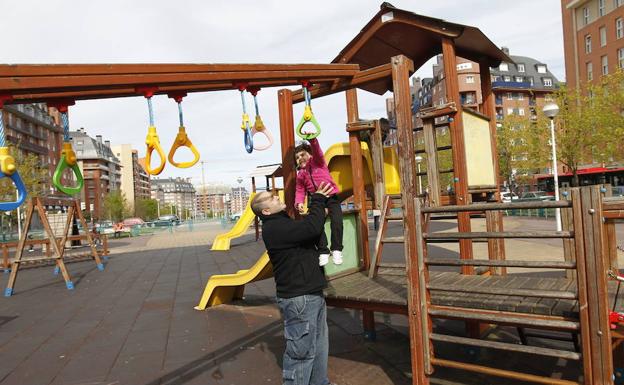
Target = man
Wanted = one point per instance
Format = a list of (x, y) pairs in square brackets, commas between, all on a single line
[(299, 281)]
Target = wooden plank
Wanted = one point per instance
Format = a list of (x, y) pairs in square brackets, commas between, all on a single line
[(402, 67), (497, 206), (380, 235), (610, 243), (456, 128), (497, 263), (20, 247), (507, 234), (547, 352), (287, 143), (602, 365), (359, 194), (581, 276), (568, 244), (433, 177), (377, 154)]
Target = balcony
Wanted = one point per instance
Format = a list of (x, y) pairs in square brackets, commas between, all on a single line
[(25, 131), (511, 85), (499, 101), (26, 145)]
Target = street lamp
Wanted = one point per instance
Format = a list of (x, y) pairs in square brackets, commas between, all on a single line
[(551, 110), (418, 160)]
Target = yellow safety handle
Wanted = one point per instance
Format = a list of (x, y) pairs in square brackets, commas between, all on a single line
[(182, 140), (153, 143), (7, 162)]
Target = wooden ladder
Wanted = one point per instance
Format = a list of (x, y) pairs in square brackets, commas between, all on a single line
[(386, 217)]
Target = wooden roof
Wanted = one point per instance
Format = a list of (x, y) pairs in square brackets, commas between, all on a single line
[(394, 31)]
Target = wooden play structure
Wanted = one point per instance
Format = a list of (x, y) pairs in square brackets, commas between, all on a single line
[(381, 58), (58, 235)]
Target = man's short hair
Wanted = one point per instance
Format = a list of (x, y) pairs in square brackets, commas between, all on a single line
[(257, 203)]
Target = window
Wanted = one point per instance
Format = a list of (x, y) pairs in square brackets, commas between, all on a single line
[(590, 71), (585, 16), (603, 36), (587, 43), (510, 111), (617, 3), (520, 96), (507, 78), (620, 53), (503, 67), (601, 7), (520, 67), (521, 111), (547, 82), (509, 96), (541, 68), (469, 79), (531, 81), (605, 64), (619, 27), (519, 79)]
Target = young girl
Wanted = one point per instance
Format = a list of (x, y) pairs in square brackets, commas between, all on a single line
[(312, 171)]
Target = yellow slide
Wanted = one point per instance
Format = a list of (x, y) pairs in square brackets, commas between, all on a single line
[(338, 159), (224, 288), (222, 241), (227, 287)]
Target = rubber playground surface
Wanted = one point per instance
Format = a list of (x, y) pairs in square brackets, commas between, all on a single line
[(134, 323)]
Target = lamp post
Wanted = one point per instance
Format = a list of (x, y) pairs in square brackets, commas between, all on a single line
[(418, 160), (551, 110)]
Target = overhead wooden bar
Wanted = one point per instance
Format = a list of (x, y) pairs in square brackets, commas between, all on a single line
[(359, 79)]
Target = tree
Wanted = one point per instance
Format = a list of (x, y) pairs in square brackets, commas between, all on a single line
[(34, 176), (590, 125), (116, 206), (147, 209)]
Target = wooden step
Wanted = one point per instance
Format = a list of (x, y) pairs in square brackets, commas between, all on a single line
[(393, 240), (394, 217), (35, 259), (392, 265)]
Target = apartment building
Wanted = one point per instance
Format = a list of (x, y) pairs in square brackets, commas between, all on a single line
[(178, 193), (593, 36), (100, 169), (135, 181), (239, 198), (34, 131)]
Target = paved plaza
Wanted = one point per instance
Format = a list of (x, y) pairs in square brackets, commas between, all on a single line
[(134, 322)]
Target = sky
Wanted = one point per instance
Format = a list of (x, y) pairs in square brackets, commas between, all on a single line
[(245, 31)]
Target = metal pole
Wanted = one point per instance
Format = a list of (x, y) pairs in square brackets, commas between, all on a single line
[(420, 190), (19, 220), (555, 172)]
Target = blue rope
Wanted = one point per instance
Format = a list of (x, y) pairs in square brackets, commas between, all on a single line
[(180, 114), (307, 96), (243, 102), (65, 123), (151, 112), (256, 104), (2, 139)]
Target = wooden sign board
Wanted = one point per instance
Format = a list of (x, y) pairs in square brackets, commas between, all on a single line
[(478, 145)]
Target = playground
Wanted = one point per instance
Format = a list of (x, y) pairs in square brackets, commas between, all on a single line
[(138, 324), (440, 287)]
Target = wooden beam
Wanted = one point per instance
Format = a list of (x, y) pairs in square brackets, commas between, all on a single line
[(287, 141), (377, 154), (359, 79), (456, 127), (433, 175), (437, 111), (359, 194), (401, 69)]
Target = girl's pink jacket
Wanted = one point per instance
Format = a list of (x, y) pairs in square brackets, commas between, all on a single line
[(313, 174)]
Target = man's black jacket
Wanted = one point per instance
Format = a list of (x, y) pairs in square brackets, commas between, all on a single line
[(292, 249)]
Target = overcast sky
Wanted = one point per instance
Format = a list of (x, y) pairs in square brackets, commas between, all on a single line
[(195, 31)]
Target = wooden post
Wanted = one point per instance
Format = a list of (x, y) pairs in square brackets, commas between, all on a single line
[(569, 249), (402, 67), (489, 110), (456, 127), (287, 140), (597, 294), (610, 244), (431, 150), (359, 197), (492, 224), (377, 154)]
